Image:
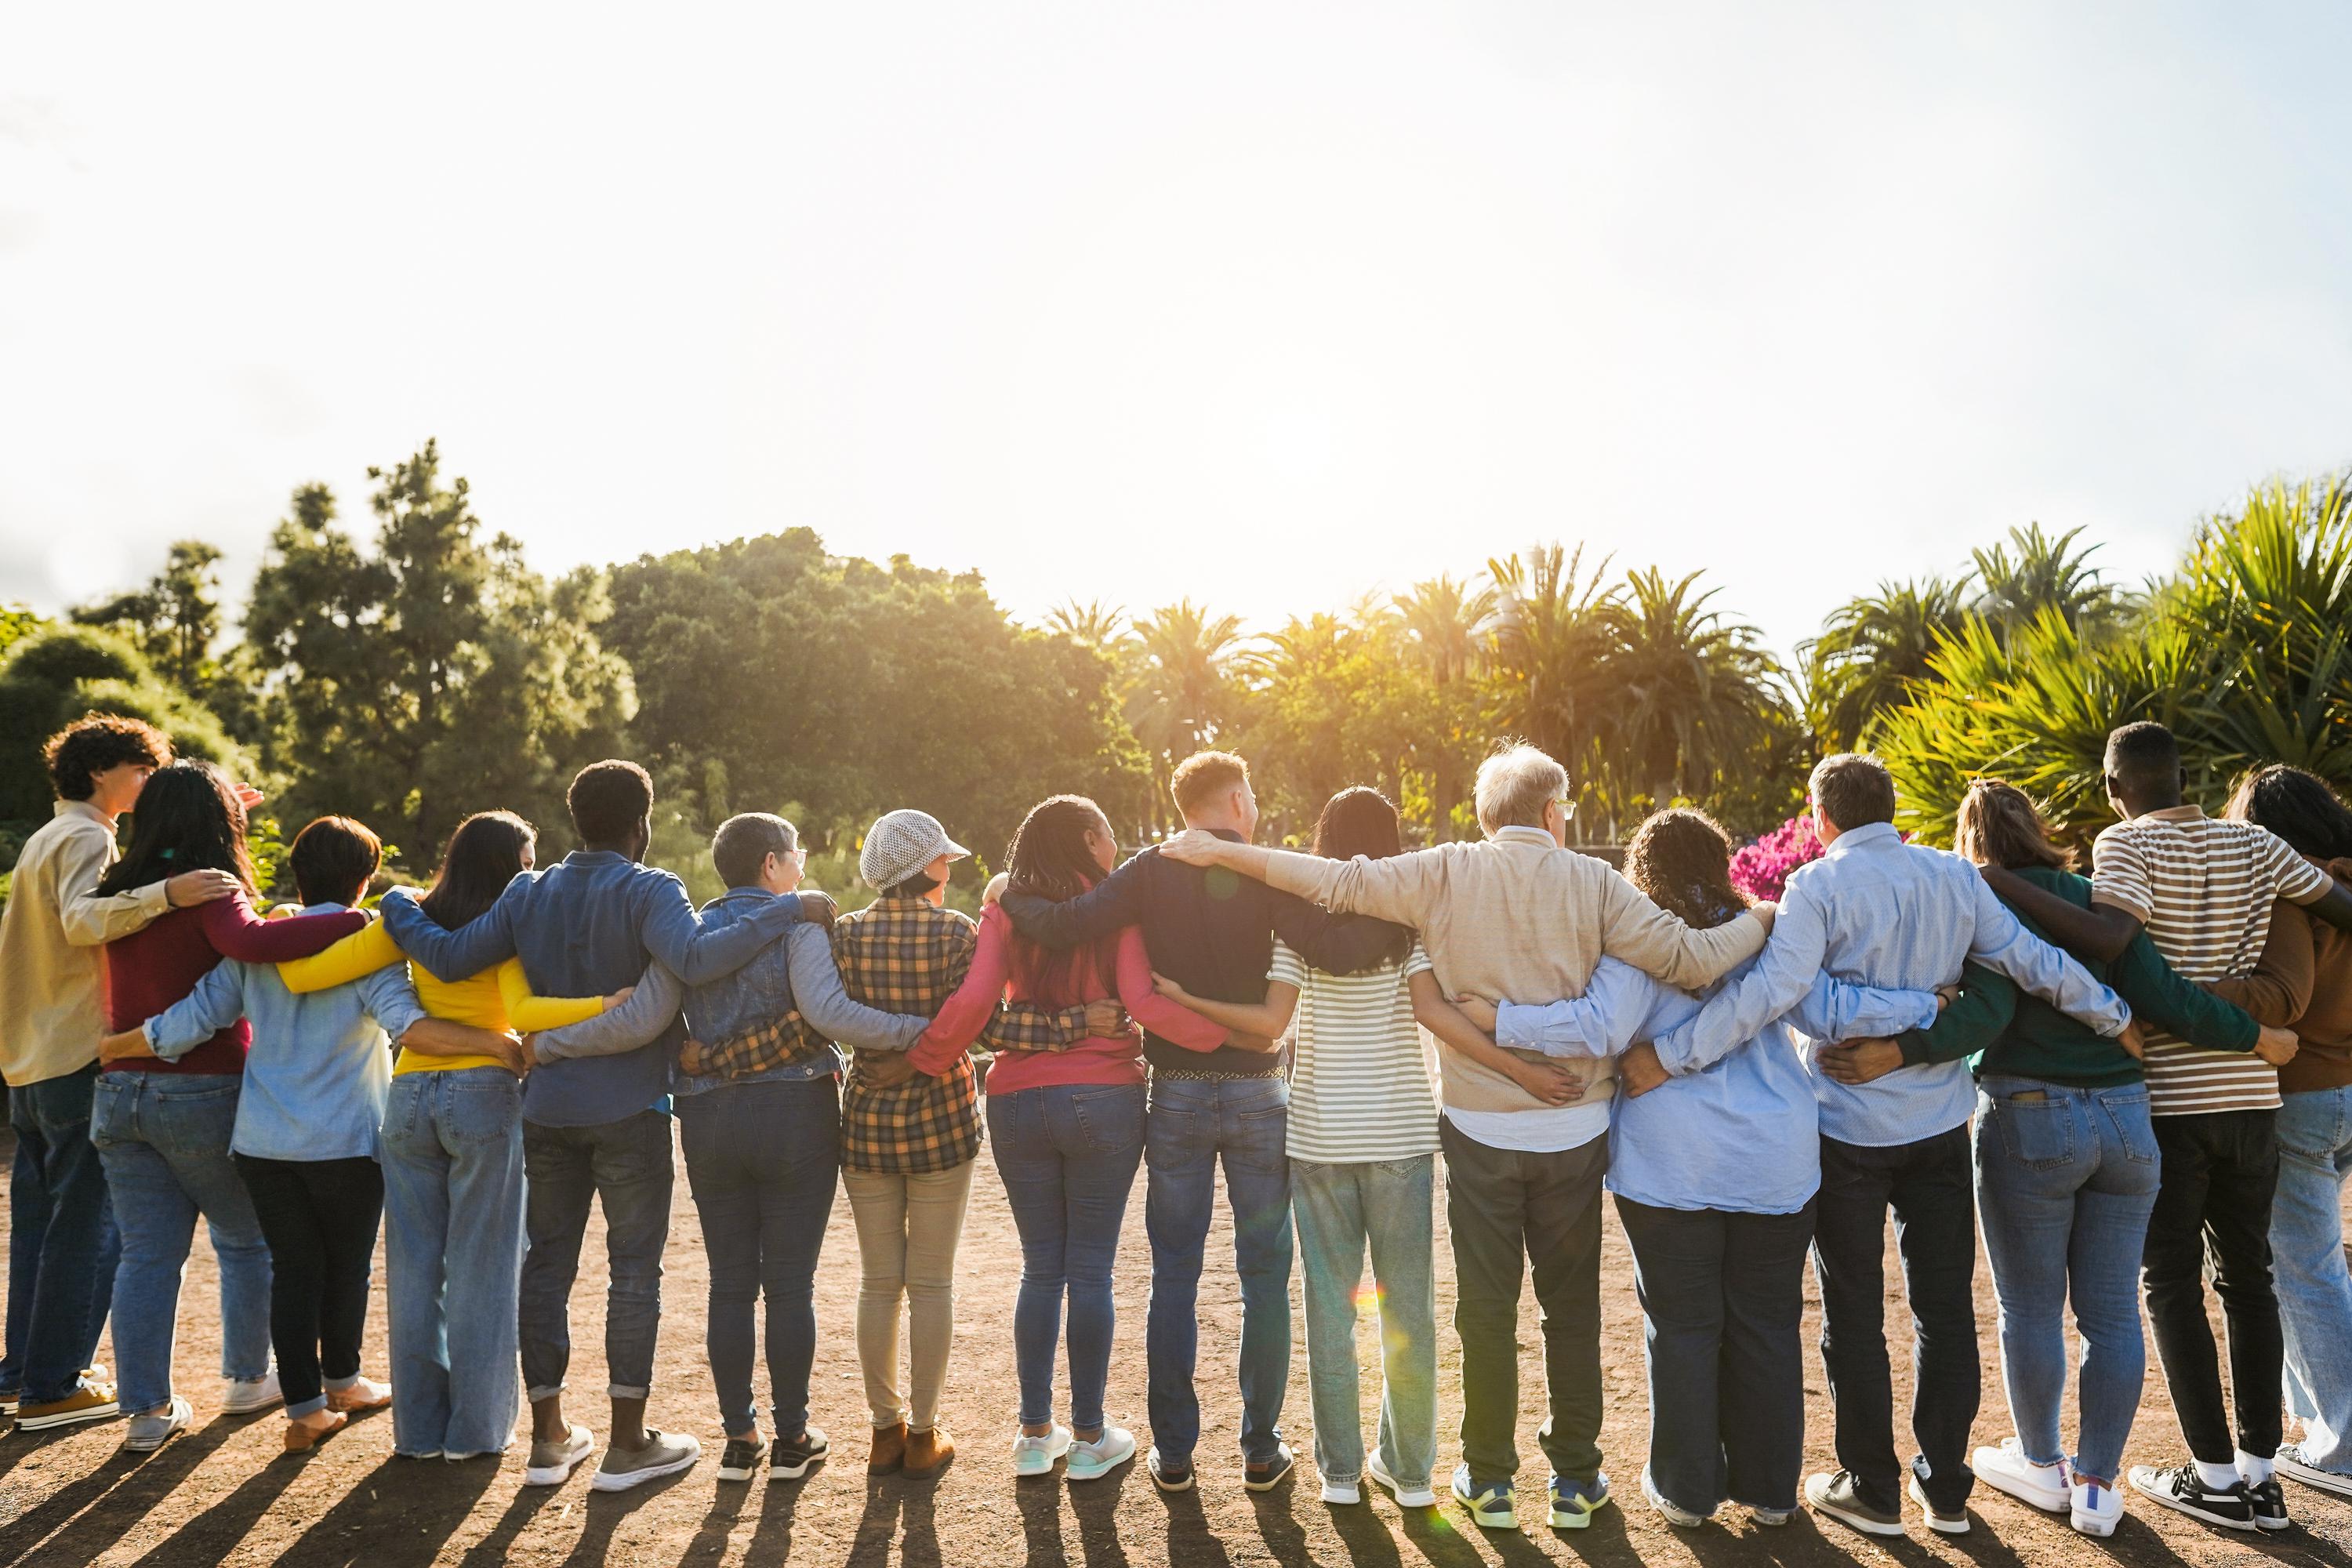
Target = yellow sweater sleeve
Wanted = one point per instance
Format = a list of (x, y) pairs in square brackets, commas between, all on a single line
[(527, 1013), (362, 952)]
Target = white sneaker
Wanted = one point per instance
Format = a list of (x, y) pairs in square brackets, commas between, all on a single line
[(2006, 1469), (1942, 1524), (1092, 1461), (552, 1460), (1034, 1456), (2096, 1507), (151, 1431), (1673, 1513), (1421, 1496), (2291, 1462), (246, 1394), (1337, 1491)]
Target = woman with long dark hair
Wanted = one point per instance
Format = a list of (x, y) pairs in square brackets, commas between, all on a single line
[(2305, 982), (161, 1127), (1362, 1144), (453, 1166), (1067, 1127)]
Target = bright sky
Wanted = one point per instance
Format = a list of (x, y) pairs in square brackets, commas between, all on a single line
[(1266, 304)]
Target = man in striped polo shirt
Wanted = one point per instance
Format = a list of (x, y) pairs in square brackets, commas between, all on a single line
[(2202, 887)]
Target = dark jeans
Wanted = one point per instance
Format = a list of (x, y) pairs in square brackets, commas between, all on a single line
[(319, 1217), (626, 1165), (1722, 1294), (1512, 1213), (1066, 1154), (1930, 1185), (1193, 1125), (2213, 1197), (763, 1160), (62, 1244)]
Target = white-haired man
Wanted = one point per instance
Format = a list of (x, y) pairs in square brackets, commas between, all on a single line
[(1517, 915)]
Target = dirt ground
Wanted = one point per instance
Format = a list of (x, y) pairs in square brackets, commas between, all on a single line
[(225, 1494)]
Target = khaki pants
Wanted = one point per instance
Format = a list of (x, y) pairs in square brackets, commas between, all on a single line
[(907, 1231)]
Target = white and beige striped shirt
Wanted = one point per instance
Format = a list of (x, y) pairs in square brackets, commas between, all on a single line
[(2202, 887)]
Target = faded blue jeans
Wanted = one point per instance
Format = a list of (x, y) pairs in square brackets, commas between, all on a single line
[(61, 1241), (2065, 1181), (2314, 1290), (452, 1249), (1066, 1154), (1193, 1124), (1342, 1210), (163, 1137)]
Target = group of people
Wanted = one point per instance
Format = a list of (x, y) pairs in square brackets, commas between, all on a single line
[(2125, 1075)]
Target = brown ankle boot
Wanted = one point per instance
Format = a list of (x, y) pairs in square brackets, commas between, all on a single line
[(889, 1449), (928, 1453)]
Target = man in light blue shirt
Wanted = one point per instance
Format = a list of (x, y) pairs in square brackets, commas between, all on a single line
[(1877, 912)]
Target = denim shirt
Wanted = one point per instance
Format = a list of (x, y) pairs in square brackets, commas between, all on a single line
[(588, 924), (320, 1071)]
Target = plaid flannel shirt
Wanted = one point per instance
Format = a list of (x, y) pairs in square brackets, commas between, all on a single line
[(905, 955), (781, 1042)]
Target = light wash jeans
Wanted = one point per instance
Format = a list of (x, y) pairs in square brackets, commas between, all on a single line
[(163, 1138), (453, 1251), (1342, 1208), (2315, 1289), (2065, 1181)]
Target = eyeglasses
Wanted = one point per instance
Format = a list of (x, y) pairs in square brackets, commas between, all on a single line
[(1567, 810)]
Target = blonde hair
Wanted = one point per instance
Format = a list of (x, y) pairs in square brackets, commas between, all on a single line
[(1516, 784), (1999, 824), (1203, 777)]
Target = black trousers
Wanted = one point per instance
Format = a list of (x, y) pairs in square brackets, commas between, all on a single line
[(1510, 1212), (1928, 1185), (2213, 1199), (1722, 1295), (319, 1218)]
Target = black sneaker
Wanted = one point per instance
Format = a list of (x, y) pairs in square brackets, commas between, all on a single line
[(740, 1462), (1839, 1497), (1169, 1475), (2180, 1487), (2270, 1504), (791, 1461)]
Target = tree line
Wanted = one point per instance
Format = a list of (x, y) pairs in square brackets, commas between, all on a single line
[(419, 668)]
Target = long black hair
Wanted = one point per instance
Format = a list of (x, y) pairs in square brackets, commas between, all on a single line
[(2299, 807), (187, 819), (1049, 858), (485, 854), (1360, 820), (1682, 859)]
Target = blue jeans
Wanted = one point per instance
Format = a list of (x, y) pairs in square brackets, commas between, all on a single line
[(2314, 1290), (763, 1160), (1343, 1209), (1066, 1154), (163, 1137), (626, 1165), (61, 1241), (1192, 1123), (452, 1249), (2065, 1181)]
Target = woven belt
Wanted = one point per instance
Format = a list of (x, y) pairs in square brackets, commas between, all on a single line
[(1193, 1075)]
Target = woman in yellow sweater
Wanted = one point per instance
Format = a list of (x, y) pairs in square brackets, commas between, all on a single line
[(452, 1153)]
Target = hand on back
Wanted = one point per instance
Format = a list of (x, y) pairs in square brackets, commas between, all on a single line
[(1194, 846), (191, 888)]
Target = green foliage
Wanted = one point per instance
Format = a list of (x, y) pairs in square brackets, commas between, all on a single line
[(1871, 651), (56, 675), (175, 620), (16, 623)]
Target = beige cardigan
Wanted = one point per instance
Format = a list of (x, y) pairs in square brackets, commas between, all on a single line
[(1519, 919)]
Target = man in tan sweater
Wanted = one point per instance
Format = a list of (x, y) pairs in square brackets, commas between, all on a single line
[(1517, 915)]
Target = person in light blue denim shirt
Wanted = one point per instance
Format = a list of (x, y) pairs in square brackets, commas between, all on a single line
[(1714, 1173)]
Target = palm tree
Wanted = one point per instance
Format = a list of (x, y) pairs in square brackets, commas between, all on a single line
[(1871, 652), (1093, 625), (1180, 689), (1446, 626), (1697, 694), (1553, 632), (2046, 574)]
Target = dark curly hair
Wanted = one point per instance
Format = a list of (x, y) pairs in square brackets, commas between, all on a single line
[(1682, 859), (95, 742), (2299, 807), (187, 819)]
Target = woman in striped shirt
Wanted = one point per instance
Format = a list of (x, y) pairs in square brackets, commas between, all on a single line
[(1362, 1145)]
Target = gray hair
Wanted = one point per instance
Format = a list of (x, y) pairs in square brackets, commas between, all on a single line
[(1516, 784)]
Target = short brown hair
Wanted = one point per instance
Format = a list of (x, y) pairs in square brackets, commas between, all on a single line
[(95, 742), (608, 799), (332, 857), (1854, 789), (1203, 777), (1998, 825)]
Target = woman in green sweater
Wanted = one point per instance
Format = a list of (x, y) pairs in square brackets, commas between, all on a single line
[(2066, 1172)]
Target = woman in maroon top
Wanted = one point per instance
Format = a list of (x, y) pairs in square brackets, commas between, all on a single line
[(162, 1128)]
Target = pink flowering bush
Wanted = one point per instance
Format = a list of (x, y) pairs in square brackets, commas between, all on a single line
[(1762, 870)]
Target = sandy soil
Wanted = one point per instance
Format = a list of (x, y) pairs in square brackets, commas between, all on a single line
[(224, 1494)]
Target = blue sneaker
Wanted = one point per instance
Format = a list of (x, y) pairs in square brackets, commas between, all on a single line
[(1491, 1505), (1573, 1503)]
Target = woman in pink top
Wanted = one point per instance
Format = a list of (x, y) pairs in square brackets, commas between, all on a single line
[(1067, 1126)]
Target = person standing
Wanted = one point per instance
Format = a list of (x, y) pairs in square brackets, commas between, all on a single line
[(2203, 888), (62, 1242)]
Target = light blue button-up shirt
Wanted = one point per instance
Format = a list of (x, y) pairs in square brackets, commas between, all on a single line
[(1875, 911), (319, 1069), (1740, 1133)]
